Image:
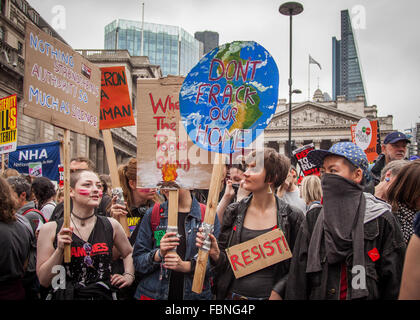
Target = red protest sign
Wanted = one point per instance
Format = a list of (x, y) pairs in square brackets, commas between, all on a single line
[(301, 155), (116, 110)]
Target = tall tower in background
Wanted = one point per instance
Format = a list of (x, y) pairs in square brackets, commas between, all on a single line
[(346, 69), (210, 39)]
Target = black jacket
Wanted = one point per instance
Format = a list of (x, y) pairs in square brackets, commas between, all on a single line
[(289, 218), (382, 277)]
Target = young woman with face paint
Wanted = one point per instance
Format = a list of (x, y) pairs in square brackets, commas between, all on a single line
[(92, 238)]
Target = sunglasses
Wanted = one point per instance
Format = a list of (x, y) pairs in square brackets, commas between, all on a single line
[(88, 259)]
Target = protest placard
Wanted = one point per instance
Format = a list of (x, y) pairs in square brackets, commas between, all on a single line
[(365, 135), (307, 167), (256, 254), (41, 159), (226, 102), (230, 96), (116, 109), (60, 86), (164, 152), (8, 124)]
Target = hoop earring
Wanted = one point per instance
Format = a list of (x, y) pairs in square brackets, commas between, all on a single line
[(269, 189)]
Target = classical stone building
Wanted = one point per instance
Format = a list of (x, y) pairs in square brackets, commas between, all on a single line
[(14, 14), (320, 122)]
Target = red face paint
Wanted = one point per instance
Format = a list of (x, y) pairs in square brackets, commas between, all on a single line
[(100, 193), (84, 192)]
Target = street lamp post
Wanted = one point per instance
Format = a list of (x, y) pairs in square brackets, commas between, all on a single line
[(290, 9)]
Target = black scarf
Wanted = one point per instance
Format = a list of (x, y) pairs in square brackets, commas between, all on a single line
[(341, 222)]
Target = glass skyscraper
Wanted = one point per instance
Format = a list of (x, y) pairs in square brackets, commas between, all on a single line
[(347, 73), (171, 47)]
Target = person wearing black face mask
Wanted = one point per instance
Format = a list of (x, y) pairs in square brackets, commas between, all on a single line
[(351, 247)]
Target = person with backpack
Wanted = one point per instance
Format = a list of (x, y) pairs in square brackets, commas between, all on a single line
[(44, 192), (88, 276), (167, 259), (253, 216)]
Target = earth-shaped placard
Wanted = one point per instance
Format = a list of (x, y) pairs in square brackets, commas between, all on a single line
[(230, 96)]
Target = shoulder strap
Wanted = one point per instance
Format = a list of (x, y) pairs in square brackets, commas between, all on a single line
[(109, 230), (155, 218), (37, 211)]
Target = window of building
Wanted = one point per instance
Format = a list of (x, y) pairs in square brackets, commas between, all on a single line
[(20, 47), (2, 34)]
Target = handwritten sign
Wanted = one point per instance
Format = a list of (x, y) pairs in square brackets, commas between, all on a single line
[(365, 135), (8, 124), (60, 86), (256, 254), (230, 96), (301, 154), (116, 110), (164, 153)]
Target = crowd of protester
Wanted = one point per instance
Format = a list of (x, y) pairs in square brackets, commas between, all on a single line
[(354, 231)]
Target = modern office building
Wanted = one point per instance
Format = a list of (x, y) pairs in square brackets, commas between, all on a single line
[(347, 72), (210, 39), (171, 47)]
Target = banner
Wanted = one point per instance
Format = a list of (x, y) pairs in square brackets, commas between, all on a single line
[(301, 154), (116, 110), (365, 134), (164, 151), (258, 253), (60, 86), (39, 160), (230, 96), (8, 124)]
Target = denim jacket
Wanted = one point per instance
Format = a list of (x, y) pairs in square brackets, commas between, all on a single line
[(145, 248)]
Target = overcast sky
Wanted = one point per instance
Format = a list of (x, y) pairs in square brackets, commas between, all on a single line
[(387, 33)]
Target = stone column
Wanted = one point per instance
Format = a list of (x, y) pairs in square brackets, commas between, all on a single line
[(100, 157), (282, 147), (93, 155)]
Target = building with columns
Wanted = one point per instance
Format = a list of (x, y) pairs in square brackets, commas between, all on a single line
[(320, 122)]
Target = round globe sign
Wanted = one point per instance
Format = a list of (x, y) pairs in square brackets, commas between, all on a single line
[(230, 96)]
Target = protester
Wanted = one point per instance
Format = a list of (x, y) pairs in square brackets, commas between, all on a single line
[(81, 163), (44, 192), (15, 245), (410, 283), (393, 148), (233, 190), (168, 274), (137, 202), (253, 216), (311, 191), (352, 247), (388, 174), (404, 196), (92, 237), (60, 196), (289, 191), (106, 184)]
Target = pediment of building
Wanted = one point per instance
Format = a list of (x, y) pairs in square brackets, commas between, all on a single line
[(313, 115)]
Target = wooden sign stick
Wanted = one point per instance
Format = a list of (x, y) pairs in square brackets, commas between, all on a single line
[(173, 211), (2, 163), (113, 171), (66, 164), (212, 202)]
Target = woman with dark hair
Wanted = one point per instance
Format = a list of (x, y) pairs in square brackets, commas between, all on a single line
[(249, 218), (92, 238), (404, 197), (44, 192), (15, 244)]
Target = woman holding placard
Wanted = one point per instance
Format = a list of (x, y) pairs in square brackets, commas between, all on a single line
[(92, 237), (167, 259), (252, 217)]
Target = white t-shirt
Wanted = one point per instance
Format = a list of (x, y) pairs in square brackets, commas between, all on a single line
[(48, 209)]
